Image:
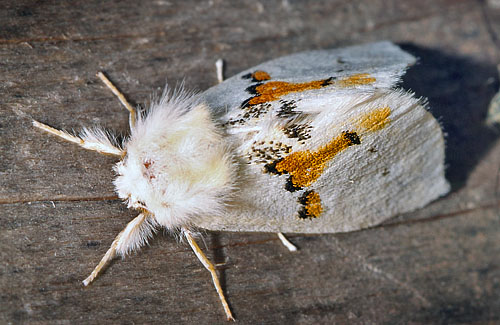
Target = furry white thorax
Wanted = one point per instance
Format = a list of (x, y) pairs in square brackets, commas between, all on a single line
[(177, 166)]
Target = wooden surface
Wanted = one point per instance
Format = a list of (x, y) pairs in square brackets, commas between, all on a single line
[(59, 215)]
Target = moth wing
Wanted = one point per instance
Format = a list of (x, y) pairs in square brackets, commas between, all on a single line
[(384, 61), (331, 156)]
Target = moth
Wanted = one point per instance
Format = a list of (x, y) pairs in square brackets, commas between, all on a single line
[(315, 142)]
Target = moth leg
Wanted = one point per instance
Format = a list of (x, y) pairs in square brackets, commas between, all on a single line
[(219, 67), (121, 97), (291, 247), (135, 234), (210, 267), (95, 140)]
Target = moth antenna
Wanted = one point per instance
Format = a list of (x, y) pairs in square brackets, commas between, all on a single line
[(210, 267), (121, 97), (95, 140), (288, 244)]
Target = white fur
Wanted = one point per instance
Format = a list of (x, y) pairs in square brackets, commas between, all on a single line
[(177, 164), (100, 140), (136, 234)]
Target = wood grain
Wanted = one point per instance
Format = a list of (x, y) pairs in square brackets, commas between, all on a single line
[(59, 212)]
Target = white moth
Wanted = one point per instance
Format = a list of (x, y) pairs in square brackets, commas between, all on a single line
[(316, 142)]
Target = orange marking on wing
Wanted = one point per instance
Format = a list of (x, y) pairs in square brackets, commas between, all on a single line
[(356, 80), (260, 75), (375, 120), (312, 207), (274, 90), (305, 167)]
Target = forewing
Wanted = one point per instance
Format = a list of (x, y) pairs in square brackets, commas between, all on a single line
[(383, 61)]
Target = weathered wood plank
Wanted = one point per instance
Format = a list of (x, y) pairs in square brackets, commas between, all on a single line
[(436, 265)]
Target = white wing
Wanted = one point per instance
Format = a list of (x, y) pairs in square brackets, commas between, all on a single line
[(326, 144)]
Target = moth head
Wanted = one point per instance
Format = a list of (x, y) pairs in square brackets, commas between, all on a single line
[(177, 166), (132, 184)]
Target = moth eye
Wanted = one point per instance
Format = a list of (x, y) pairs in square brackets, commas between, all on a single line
[(148, 162), (148, 173)]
